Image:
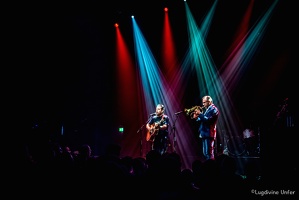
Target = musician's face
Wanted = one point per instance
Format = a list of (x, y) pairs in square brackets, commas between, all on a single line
[(159, 110), (206, 103)]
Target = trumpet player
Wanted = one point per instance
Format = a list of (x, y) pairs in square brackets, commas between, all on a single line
[(207, 126)]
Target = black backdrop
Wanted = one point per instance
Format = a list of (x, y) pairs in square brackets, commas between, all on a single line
[(63, 63)]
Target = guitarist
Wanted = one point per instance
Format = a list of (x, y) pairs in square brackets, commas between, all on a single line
[(157, 128)]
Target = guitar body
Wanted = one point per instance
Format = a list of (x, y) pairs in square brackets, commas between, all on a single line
[(150, 135)]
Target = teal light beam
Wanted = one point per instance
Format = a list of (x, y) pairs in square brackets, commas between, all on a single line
[(150, 75), (209, 80), (155, 89)]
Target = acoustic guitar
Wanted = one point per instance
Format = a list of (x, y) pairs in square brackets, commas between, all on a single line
[(151, 134)]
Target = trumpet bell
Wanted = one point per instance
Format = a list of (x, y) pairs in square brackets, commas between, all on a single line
[(191, 110), (188, 111)]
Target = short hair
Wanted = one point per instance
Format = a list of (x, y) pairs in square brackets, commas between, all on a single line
[(208, 98), (161, 105)]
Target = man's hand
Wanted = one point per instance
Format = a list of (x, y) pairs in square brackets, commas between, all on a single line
[(196, 113)]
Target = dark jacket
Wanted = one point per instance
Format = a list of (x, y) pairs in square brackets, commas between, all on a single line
[(208, 120)]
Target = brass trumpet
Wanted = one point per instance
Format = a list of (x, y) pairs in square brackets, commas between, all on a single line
[(190, 111)]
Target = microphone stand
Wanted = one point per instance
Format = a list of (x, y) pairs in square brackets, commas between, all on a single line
[(140, 130), (174, 131)]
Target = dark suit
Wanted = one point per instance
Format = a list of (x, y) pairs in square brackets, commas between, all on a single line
[(207, 130)]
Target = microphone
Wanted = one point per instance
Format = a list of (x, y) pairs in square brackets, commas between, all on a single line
[(177, 113), (152, 114)]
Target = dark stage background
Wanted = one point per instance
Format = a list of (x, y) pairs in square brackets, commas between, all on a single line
[(64, 67)]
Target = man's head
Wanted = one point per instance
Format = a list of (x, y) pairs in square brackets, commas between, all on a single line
[(207, 101), (160, 109)]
